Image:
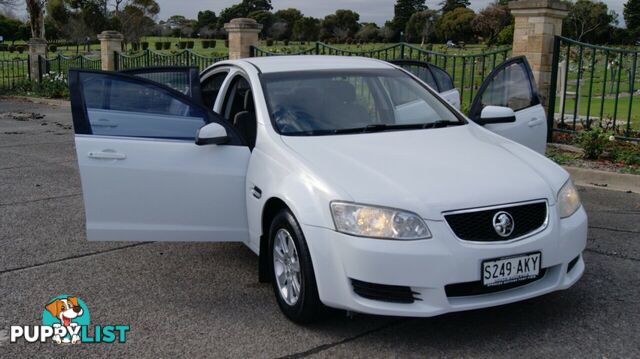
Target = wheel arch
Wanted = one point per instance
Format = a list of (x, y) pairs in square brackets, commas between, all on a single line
[(270, 209)]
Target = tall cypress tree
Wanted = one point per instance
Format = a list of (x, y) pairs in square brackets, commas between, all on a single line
[(403, 10), (632, 16)]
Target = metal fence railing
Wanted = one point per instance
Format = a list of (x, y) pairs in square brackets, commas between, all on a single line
[(467, 70), (150, 58), (595, 86), (61, 64), (14, 72)]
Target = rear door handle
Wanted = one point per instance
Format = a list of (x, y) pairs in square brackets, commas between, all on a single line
[(107, 155), (535, 122)]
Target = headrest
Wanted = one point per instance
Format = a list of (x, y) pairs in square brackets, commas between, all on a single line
[(248, 101)]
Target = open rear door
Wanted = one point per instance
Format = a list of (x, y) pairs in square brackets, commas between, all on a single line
[(512, 85), (434, 76)]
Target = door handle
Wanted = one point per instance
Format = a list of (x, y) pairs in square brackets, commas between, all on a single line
[(107, 155), (535, 122)]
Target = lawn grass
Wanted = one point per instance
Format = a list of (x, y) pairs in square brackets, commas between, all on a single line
[(608, 109)]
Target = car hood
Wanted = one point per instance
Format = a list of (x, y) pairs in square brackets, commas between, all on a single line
[(430, 171)]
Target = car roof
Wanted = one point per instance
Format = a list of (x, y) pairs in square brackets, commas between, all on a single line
[(270, 64)]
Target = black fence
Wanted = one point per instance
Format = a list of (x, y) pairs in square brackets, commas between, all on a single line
[(150, 58), (595, 86), (13, 72), (60, 64)]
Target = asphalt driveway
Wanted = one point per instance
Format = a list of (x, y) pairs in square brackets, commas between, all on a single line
[(204, 299)]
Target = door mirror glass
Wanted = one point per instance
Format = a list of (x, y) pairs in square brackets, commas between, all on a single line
[(496, 114), (211, 134)]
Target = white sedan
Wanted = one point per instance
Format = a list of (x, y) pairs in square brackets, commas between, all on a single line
[(358, 185)]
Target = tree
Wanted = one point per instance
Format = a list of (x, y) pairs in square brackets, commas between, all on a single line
[(13, 29), (243, 9), (35, 9), (402, 11), (491, 21), (207, 18), (369, 32), (137, 19), (421, 25), (340, 26), (450, 5), (306, 29), (632, 17), (264, 17), (589, 21), (289, 17), (455, 25)]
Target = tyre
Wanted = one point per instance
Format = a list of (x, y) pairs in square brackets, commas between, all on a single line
[(292, 276)]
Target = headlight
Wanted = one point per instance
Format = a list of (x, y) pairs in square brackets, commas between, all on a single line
[(568, 200), (378, 222)]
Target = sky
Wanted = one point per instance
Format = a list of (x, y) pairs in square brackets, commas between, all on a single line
[(377, 11)]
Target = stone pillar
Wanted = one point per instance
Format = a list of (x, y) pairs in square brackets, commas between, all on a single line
[(243, 33), (110, 43), (536, 24), (37, 48)]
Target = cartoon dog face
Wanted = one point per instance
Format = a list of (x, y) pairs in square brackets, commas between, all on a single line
[(65, 309)]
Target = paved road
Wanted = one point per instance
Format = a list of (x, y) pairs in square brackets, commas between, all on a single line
[(204, 299)]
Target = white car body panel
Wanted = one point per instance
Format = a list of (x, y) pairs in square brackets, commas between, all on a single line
[(530, 128), (162, 190)]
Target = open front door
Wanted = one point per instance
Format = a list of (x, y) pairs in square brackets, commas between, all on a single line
[(434, 76), (183, 79), (143, 176), (512, 85)]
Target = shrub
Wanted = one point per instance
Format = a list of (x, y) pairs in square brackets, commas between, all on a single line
[(12, 48), (158, 46), (269, 42), (166, 45), (182, 45), (212, 44), (625, 152), (226, 43), (53, 48), (190, 44), (135, 46), (20, 49), (205, 44), (145, 45), (593, 142), (286, 42)]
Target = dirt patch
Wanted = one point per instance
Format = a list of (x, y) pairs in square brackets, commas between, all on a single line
[(21, 116), (567, 155)]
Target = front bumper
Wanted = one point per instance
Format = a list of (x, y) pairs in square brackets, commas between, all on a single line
[(427, 266)]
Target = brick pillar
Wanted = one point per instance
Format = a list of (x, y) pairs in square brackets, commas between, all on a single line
[(243, 33), (536, 24), (110, 43), (37, 48)]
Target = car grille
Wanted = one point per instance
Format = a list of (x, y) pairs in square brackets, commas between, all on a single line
[(384, 292), (477, 225)]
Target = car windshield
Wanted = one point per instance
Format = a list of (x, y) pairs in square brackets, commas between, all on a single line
[(325, 102)]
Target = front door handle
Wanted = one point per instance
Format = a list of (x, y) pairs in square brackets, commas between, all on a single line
[(535, 122), (107, 155)]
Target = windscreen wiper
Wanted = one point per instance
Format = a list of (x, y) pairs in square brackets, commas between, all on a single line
[(379, 127)]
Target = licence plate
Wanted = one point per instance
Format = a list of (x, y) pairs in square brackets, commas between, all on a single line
[(511, 269)]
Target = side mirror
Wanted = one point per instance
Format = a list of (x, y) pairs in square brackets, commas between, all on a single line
[(211, 134), (496, 114)]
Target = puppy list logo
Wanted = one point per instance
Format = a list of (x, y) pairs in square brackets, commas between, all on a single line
[(65, 320)]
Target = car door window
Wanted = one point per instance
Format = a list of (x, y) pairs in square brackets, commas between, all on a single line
[(211, 88), (125, 106), (442, 78), (509, 88), (185, 80)]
